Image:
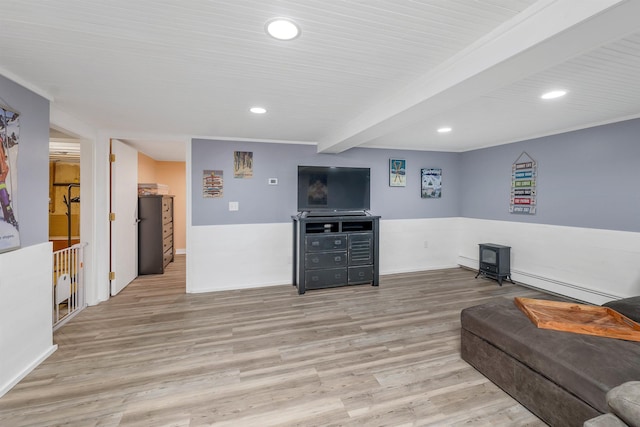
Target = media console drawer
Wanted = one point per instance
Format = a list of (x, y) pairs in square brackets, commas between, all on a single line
[(316, 279), (328, 242), (325, 259), (360, 274)]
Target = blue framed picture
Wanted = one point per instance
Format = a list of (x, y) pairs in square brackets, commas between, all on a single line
[(397, 173)]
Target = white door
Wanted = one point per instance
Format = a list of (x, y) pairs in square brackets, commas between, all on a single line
[(124, 203)]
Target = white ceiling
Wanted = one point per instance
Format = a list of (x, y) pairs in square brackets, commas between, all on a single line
[(370, 73)]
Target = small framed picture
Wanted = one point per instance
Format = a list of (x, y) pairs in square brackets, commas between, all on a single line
[(243, 164), (397, 173), (431, 183)]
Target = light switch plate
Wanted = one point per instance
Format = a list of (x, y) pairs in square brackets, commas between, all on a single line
[(234, 206), (273, 181)]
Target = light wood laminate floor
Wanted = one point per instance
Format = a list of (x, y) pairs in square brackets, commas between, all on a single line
[(360, 355)]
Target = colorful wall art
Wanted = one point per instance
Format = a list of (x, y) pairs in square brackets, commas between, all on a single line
[(524, 173), (212, 184), (9, 137)]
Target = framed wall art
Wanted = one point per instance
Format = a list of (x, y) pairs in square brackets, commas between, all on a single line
[(431, 183), (243, 164), (397, 173), (9, 138), (212, 184)]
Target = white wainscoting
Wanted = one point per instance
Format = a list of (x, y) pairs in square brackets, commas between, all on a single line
[(223, 257), (590, 265), (418, 244), (228, 257), (26, 303)]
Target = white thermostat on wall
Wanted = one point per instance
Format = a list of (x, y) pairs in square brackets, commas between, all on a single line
[(273, 181)]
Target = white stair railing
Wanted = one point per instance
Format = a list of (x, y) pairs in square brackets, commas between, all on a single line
[(68, 284)]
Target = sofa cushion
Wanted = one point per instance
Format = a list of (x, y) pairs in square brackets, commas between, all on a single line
[(629, 307), (584, 365), (624, 401)]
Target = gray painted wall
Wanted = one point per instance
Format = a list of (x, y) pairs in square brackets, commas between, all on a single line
[(263, 203), (33, 161), (586, 178)]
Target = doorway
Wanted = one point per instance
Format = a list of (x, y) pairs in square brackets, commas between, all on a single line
[(64, 192), (64, 229)]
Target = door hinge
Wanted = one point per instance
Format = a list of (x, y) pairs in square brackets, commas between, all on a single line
[(112, 275), (112, 216), (112, 158)]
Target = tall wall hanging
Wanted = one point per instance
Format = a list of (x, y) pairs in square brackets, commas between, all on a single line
[(524, 173), (212, 184), (9, 137)]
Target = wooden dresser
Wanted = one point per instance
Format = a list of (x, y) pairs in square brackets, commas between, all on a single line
[(155, 233)]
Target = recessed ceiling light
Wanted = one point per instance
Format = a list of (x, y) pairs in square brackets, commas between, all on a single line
[(257, 110), (444, 130), (554, 94), (282, 29)]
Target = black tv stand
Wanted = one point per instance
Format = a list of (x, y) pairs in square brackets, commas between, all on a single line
[(330, 251)]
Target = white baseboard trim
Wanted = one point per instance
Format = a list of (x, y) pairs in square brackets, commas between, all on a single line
[(468, 262), (266, 284), (239, 287), (572, 290), (10, 384), (417, 269)]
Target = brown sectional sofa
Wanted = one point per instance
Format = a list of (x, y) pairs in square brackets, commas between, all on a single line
[(561, 377)]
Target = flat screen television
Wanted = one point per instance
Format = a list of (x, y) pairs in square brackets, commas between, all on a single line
[(327, 189)]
